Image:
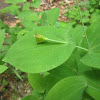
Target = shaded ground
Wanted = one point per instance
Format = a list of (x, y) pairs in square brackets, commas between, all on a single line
[(14, 89)]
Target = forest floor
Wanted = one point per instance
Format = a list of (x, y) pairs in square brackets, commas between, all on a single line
[(12, 88)]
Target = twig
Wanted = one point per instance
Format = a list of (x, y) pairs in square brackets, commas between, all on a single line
[(83, 24)]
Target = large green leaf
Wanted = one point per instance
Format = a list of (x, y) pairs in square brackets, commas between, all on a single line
[(3, 68), (37, 82), (68, 68), (77, 34), (70, 88), (92, 58), (71, 67), (29, 56), (15, 1), (93, 80), (2, 35), (52, 15), (30, 97)]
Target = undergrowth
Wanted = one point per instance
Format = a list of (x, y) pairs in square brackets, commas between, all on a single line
[(62, 59)]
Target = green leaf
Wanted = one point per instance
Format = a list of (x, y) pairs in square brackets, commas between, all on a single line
[(77, 34), (4, 48), (52, 15), (93, 80), (70, 88), (26, 6), (2, 55), (37, 82), (22, 33), (50, 81), (86, 97), (1, 24), (28, 15), (37, 94), (2, 35), (29, 25), (30, 97), (64, 70), (95, 16), (3, 68), (4, 82), (16, 73), (24, 14), (3, 51), (63, 25), (13, 9), (36, 3), (67, 69), (92, 58), (43, 20), (15, 1), (71, 67), (31, 57), (14, 30)]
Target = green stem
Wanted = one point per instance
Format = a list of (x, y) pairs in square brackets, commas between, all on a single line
[(83, 24), (82, 48), (17, 74), (55, 41)]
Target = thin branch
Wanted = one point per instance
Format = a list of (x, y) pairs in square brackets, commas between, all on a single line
[(82, 48), (83, 24)]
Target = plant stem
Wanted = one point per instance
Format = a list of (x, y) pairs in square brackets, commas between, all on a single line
[(56, 41), (83, 24), (16, 73), (82, 48)]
